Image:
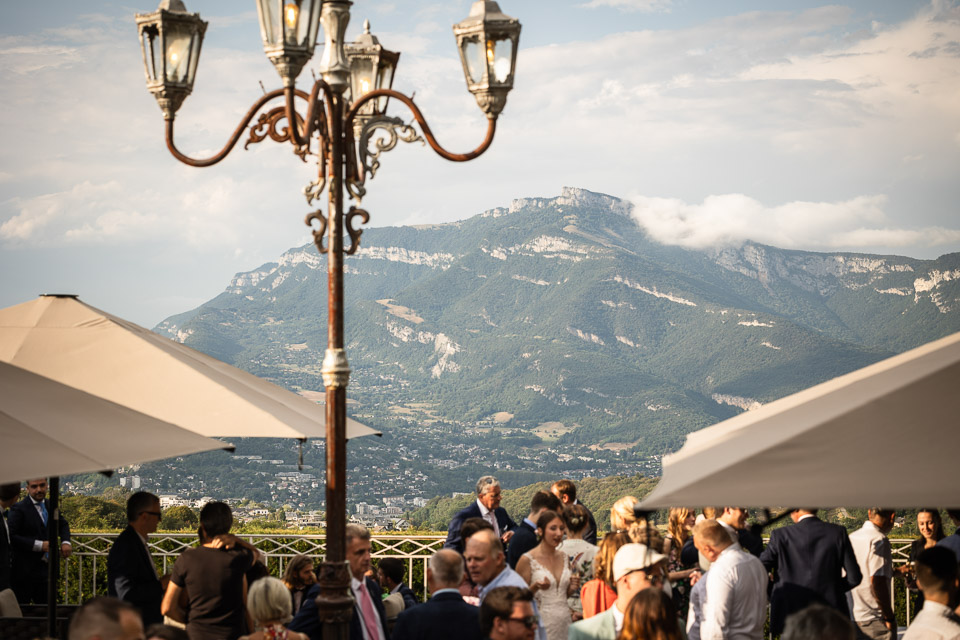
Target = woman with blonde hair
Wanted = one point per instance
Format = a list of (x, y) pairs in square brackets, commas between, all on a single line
[(622, 515), (268, 603), (598, 594), (623, 518), (679, 527)]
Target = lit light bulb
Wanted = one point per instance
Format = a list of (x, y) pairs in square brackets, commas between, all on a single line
[(364, 85), (491, 51), (177, 50), (290, 13)]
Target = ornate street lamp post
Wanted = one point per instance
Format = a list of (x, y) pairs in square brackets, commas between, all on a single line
[(342, 113)]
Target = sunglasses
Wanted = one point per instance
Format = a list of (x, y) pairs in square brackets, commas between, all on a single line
[(530, 622), (154, 513)]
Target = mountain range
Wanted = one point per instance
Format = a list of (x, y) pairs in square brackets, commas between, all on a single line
[(559, 318)]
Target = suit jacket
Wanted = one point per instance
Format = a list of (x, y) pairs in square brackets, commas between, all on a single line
[(524, 538), (131, 576), (590, 535), (807, 560), (6, 561), (439, 618), (306, 620), (600, 627), (409, 597), (750, 542), (473, 511), (26, 526)]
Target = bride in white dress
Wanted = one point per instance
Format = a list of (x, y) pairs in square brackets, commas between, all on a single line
[(547, 570)]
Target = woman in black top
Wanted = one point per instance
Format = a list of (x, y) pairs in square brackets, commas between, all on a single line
[(931, 531), (214, 576)]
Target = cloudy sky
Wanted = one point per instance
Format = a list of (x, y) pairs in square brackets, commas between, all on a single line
[(794, 123)]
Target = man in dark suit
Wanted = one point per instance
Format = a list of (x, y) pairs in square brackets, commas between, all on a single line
[(131, 573), (486, 506), (445, 614), (390, 573), (808, 560), (28, 533), (8, 599), (369, 621), (566, 491), (525, 536)]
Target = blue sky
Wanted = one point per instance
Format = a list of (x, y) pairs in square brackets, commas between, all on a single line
[(795, 123)]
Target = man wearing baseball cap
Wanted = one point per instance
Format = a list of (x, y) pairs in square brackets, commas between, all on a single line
[(635, 568)]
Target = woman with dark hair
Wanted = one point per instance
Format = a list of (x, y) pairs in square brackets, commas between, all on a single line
[(546, 569), (598, 594), (580, 553), (215, 578), (298, 577), (650, 616), (930, 525)]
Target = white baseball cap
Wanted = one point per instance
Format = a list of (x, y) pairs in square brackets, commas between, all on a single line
[(634, 557)]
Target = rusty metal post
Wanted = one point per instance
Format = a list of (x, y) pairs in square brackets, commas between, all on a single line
[(335, 602)]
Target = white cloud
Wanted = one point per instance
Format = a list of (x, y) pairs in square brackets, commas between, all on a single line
[(630, 5), (731, 219)]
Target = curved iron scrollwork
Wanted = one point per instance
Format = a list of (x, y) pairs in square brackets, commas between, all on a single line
[(369, 147), (266, 126), (318, 232), (313, 190), (355, 233)]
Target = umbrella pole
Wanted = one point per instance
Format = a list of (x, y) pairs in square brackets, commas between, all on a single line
[(53, 556)]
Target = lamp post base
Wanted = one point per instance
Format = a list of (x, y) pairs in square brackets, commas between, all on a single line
[(335, 602)]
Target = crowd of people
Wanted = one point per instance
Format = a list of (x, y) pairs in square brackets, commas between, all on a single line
[(708, 577)]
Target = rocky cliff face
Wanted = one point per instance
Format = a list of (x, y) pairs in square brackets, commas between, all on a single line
[(562, 310)]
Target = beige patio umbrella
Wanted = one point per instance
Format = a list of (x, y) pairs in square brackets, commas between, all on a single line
[(65, 340), (886, 435), (50, 429)]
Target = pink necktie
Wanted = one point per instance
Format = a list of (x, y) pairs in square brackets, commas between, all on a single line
[(370, 617)]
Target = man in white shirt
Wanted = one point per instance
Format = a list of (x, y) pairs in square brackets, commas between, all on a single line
[(635, 568), (736, 589), (937, 576), (870, 602)]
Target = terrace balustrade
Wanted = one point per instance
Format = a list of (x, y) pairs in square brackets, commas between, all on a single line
[(84, 574)]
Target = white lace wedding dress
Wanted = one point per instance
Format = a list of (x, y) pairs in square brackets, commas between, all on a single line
[(552, 601)]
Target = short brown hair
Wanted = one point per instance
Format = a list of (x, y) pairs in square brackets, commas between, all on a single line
[(499, 604), (354, 530), (712, 533), (566, 488), (545, 500), (100, 617)]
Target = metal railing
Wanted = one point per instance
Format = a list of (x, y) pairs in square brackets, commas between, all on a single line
[(84, 574)]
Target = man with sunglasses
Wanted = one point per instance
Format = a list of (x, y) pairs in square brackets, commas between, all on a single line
[(507, 614), (635, 568), (131, 572)]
